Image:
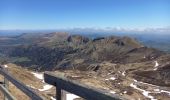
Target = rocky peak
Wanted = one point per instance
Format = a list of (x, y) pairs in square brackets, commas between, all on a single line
[(120, 41), (77, 39)]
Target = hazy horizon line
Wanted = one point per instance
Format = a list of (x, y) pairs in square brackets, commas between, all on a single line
[(96, 28)]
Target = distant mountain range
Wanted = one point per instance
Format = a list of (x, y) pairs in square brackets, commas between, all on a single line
[(156, 38), (59, 45)]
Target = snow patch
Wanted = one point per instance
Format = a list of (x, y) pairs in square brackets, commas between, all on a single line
[(46, 87), (113, 92), (163, 91), (156, 65), (135, 80), (38, 75), (75, 76), (157, 90), (52, 98), (125, 92), (123, 74), (112, 78), (5, 66), (144, 92), (71, 96)]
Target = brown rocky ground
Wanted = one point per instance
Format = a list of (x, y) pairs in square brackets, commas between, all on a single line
[(120, 79)]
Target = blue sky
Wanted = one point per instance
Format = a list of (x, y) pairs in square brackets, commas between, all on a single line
[(59, 14)]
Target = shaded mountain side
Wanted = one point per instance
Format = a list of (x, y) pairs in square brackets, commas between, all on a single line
[(61, 51), (40, 57)]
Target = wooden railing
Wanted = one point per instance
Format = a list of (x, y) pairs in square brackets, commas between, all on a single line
[(25, 89), (59, 80)]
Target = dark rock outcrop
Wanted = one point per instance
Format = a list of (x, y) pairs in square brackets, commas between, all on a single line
[(77, 39)]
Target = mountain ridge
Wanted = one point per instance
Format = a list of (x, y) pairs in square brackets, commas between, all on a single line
[(110, 60)]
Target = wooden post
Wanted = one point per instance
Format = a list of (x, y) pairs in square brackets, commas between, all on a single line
[(6, 85), (58, 93)]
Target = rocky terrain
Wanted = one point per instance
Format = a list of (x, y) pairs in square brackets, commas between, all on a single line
[(120, 65)]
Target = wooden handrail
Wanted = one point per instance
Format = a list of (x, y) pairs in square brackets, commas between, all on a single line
[(25, 89), (61, 83), (89, 93)]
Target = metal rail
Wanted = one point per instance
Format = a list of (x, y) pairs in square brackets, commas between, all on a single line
[(59, 80), (25, 89), (7, 93)]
